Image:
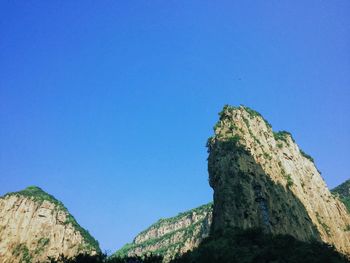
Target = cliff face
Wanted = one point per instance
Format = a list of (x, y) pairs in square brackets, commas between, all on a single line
[(343, 192), (35, 226), (262, 179), (172, 236)]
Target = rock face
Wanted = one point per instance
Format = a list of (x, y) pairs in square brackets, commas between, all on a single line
[(262, 179), (35, 226), (343, 191), (172, 236)]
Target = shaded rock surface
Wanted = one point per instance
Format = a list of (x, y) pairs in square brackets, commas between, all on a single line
[(172, 236), (35, 226), (261, 178)]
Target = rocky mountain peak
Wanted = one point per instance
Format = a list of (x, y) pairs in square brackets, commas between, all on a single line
[(34, 226), (37, 194)]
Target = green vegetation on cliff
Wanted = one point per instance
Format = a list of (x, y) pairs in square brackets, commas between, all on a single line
[(38, 195), (282, 136), (252, 113), (22, 251), (42, 243), (307, 156)]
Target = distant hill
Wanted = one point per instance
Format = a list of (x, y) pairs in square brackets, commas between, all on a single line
[(172, 236)]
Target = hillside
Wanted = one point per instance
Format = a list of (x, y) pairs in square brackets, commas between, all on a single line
[(172, 236)]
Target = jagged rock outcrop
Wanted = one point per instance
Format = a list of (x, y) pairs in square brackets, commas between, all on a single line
[(261, 178), (172, 236), (343, 192), (35, 226)]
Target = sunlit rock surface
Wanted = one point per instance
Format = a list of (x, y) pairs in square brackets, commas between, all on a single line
[(35, 226)]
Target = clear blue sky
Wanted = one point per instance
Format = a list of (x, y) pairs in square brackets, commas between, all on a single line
[(107, 105)]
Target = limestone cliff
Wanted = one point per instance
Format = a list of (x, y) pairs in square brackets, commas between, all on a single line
[(261, 178), (172, 236), (343, 192), (35, 226)]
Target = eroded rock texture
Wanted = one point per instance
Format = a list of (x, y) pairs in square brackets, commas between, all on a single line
[(35, 226)]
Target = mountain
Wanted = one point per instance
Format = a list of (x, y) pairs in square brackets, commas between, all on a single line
[(34, 226), (343, 191), (172, 236), (270, 205), (262, 179)]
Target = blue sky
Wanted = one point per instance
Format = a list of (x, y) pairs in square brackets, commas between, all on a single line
[(107, 105)]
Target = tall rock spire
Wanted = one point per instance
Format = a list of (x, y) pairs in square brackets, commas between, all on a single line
[(261, 178)]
